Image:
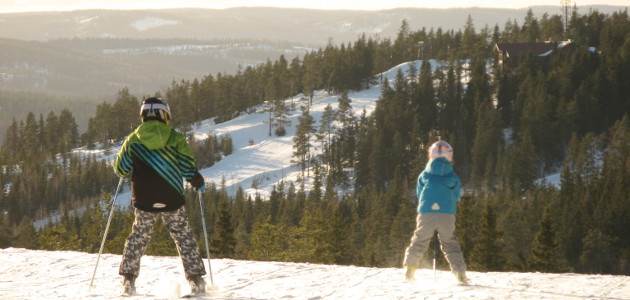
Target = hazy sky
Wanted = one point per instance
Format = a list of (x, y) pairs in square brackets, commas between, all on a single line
[(39, 5)]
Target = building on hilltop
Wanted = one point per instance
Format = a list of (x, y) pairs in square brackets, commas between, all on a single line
[(511, 54)]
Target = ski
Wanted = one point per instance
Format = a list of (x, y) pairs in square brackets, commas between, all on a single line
[(128, 295), (194, 296)]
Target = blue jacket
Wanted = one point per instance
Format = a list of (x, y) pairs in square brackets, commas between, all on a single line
[(439, 188)]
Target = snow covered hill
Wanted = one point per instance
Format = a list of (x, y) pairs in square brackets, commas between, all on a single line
[(42, 275), (39, 275), (258, 167)]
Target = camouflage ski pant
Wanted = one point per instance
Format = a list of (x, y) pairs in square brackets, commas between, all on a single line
[(177, 224), (427, 224)]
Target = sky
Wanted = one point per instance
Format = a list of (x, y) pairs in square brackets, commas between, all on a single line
[(57, 5)]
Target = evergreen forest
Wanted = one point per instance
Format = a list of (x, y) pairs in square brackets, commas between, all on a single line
[(510, 128)]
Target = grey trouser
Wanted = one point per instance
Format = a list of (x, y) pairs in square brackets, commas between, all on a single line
[(427, 224), (177, 224)]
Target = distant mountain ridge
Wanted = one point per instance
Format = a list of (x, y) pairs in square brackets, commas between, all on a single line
[(308, 26), (93, 54)]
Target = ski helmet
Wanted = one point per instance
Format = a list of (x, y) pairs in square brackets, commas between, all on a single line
[(155, 109), (441, 149)]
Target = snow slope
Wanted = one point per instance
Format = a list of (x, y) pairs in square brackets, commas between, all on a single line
[(258, 168), (268, 161), (42, 275)]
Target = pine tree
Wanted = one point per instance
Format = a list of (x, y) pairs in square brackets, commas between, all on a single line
[(325, 132), (469, 41), (11, 147), (51, 132), (403, 208), (27, 236), (271, 243), (598, 255), (323, 230), (280, 120), (99, 129), (311, 79), (465, 225), (531, 29), (69, 130), (522, 162), (346, 137), (551, 27), (295, 74), (487, 142), (344, 114), (120, 228), (227, 145), (487, 253), (402, 49), (302, 140), (224, 242), (94, 220), (545, 256), (378, 226), (5, 235), (449, 99), (61, 236), (424, 102), (30, 137), (516, 224), (610, 215)]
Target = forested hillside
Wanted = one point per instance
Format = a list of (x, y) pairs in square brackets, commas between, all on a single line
[(509, 127)]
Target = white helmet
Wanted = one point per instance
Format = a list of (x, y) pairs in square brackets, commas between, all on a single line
[(155, 109), (441, 149)]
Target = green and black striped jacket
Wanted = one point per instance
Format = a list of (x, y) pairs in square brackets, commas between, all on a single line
[(159, 158)]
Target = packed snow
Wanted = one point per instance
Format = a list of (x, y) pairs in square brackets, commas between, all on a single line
[(38, 275)]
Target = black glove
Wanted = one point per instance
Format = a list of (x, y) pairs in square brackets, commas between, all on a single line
[(197, 181)]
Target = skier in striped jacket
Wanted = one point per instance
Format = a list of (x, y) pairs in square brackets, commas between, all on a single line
[(158, 159)]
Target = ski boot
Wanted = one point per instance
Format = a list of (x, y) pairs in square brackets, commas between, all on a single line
[(461, 277), (197, 285), (410, 272), (129, 285)]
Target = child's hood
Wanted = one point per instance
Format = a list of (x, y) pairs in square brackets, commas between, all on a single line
[(439, 167), (154, 134)]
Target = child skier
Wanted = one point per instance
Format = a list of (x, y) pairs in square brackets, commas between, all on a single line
[(438, 192), (158, 158)]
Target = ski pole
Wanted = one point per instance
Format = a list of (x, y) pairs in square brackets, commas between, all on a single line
[(109, 220), (205, 236), (435, 249)]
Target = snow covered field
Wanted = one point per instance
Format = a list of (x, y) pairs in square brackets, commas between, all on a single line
[(43, 275)]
